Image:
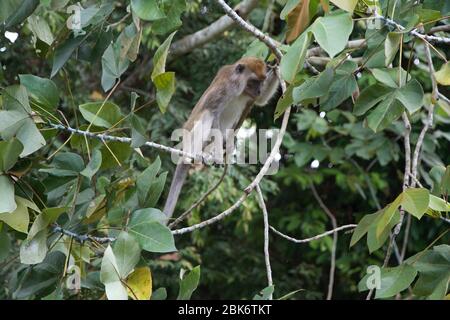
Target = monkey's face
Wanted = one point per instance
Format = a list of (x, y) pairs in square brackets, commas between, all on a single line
[(253, 88)]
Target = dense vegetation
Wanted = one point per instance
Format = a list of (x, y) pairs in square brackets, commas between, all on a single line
[(367, 142)]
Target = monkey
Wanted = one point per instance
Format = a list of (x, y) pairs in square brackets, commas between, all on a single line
[(224, 105)]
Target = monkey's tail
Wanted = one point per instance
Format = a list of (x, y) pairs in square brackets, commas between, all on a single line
[(175, 188)]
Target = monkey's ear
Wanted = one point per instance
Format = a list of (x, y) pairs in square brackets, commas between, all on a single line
[(240, 68)]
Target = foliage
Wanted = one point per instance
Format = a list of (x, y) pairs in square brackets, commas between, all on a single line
[(78, 208)]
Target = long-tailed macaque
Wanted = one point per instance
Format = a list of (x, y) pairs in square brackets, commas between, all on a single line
[(225, 105)]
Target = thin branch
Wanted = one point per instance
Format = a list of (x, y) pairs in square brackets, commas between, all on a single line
[(266, 238), (327, 233), (185, 214), (105, 137), (414, 32), (81, 237), (335, 238)]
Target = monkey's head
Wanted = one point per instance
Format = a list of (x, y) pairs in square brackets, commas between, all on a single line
[(255, 71)]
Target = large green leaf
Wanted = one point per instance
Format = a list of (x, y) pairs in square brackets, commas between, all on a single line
[(434, 272), (363, 227), (189, 283), (40, 29), (34, 250), (150, 233), (21, 11), (415, 201), (369, 97), (109, 114), (7, 202), (63, 53), (391, 46), (173, 10), (19, 218), (332, 32), (347, 5), (93, 165), (41, 280), (114, 64), (443, 75), (146, 178), (9, 153), (147, 9), (314, 87), (292, 62), (43, 91), (127, 253), (109, 276), (385, 113)]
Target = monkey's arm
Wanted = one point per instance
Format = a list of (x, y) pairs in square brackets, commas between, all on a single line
[(268, 88)]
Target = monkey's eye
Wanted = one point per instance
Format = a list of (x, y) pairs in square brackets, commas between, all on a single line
[(240, 68)]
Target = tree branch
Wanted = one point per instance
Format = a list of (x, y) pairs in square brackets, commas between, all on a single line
[(327, 233), (266, 237)]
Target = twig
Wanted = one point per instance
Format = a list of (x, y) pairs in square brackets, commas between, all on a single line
[(82, 237), (413, 32), (266, 238), (335, 238), (200, 200), (327, 233), (151, 144)]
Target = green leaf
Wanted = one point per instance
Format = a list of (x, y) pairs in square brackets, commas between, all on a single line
[(173, 10), (443, 75), (63, 53), (40, 280), (444, 187), (284, 102), (9, 154), (347, 5), (188, 284), (384, 114), (164, 81), (7, 201), (19, 218), (150, 233), (34, 250), (388, 214), (332, 32), (43, 220), (43, 91), (415, 201), (156, 189), (265, 293), (15, 98), (146, 178), (114, 64), (20, 13), (369, 98), (395, 280), (375, 242), (434, 272), (391, 46), (363, 227), (411, 96), (342, 87), (290, 5), (165, 85), (5, 244), (93, 165), (109, 276), (438, 204), (314, 87), (109, 114), (257, 49), (40, 29), (292, 62), (127, 253), (138, 133), (147, 9)]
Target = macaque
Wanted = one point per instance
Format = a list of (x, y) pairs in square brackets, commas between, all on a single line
[(224, 106)]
